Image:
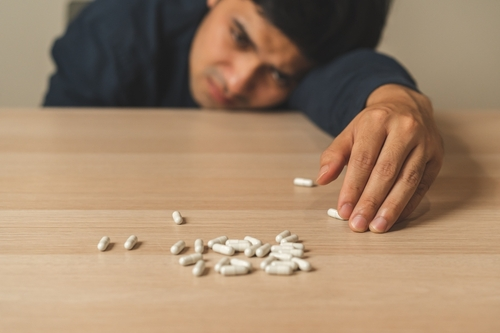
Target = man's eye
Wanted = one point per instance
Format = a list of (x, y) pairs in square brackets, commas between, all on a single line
[(280, 78), (239, 38)]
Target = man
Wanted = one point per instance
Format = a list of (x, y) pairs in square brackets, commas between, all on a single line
[(312, 55)]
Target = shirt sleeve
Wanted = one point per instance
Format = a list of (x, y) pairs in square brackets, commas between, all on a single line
[(100, 59), (333, 94)]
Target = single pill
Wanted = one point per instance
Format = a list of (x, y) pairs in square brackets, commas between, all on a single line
[(291, 264), (298, 246), (233, 270), (265, 262), (292, 251), (130, 243), (190, 259), (218, 240), (332, 212), (223, 262), (290, 239), (303, 264), (282, 235), (103, 243), (303, 182), (223, 249), (250, 252), (198, 246), (199, 268), (263, 250), (238, 245), (178, 247), (239, 262), (178, 219), (282, 256), (279, 270), (253, 241)]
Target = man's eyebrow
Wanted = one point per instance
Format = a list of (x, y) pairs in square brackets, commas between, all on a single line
[(241, 27)]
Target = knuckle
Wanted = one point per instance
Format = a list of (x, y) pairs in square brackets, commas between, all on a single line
[(386, 170), (364, 161), (412, 177), (370, 204)]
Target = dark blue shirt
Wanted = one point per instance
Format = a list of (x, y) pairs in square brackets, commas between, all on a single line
[(134, 53)]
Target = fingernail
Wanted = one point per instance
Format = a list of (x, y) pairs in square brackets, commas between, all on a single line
[(379, 224), (359, 223), (324, 169), (345, 211)]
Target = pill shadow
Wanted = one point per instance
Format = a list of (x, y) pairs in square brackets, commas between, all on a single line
[(137, 246), (184, 250), (110, 247)]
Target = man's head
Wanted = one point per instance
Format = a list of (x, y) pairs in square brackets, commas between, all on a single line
[(252, 53)]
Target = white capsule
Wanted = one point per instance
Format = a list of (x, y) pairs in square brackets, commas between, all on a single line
[(265, 262), (291, 264), (223, 262), (199, 268), (130, 243), (298, 246), (303, 264), (332, 212), (282, 235), (190, 259), (279, 270), (178, 219), (252, 240), (238, 245), (103, 243), (281, 256), (178, 247), (218, 240), (233, 270), (198, 246), (292, 251), (263, 250), (240, 262), (223, 249), (303, 182), (250, 252), (290, 239)]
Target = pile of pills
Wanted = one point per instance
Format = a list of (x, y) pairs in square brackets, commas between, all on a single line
[(282, 259)]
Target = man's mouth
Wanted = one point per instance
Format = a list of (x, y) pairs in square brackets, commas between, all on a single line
[(217, 93)]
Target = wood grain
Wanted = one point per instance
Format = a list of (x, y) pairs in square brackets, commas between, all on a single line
[(69, 177)]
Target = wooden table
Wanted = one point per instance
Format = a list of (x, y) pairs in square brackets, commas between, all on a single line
[(69, 177)]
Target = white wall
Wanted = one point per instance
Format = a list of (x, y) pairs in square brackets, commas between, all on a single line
[(27, 29), (452, 48)]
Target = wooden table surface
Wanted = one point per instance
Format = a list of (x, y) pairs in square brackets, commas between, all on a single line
[(69, 177)]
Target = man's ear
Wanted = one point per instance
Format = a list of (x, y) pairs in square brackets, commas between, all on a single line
[(212, 3)]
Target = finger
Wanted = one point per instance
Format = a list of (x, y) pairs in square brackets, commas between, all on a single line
[(407, 184), (365, 152), (431, 172), (382, 178), (334, 159)]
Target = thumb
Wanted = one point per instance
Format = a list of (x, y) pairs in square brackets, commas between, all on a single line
[(334, 158)]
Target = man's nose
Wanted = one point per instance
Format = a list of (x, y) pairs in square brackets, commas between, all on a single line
[(242, 78)]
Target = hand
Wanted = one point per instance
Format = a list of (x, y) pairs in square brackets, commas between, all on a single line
[(393, 152)]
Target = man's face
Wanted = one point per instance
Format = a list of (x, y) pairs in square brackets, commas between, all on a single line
[(240, 60)]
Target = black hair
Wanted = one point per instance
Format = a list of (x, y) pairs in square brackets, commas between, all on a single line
[(325, 29)]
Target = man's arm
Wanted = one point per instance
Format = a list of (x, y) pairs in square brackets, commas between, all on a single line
[(392, 148)]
